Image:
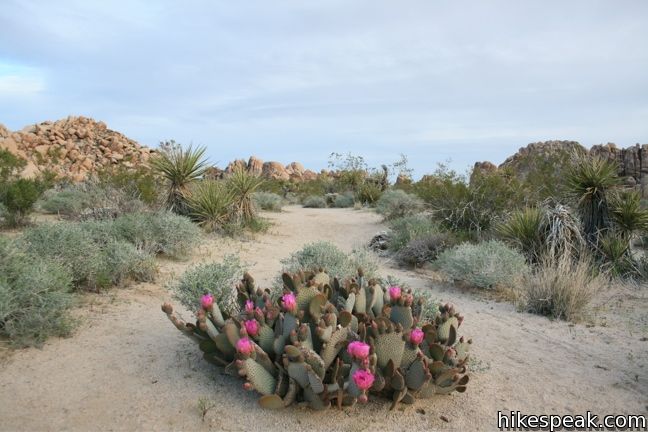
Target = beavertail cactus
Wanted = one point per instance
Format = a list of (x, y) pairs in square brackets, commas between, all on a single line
[(333, 342)]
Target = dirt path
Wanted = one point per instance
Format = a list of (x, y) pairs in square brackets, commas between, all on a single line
[(127, 368)]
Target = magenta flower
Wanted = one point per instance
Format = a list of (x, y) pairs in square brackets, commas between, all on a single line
[(249, 306), (363, 379), (245, 346), (207, 301), (394, 292), (359, 350), (416, 336), (251, 327), (289, 302)]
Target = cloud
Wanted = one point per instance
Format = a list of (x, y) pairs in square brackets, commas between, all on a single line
[(465, 80)]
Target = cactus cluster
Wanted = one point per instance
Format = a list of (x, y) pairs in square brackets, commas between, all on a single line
[(332, 342)]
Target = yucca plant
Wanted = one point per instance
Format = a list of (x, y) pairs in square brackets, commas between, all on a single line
[(525, 229), (615, 253), (180, 167), (627, 214), (209, 203), (563, 236), (589, 181), (242, 186)]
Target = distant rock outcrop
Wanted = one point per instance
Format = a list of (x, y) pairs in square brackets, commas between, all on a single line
[(73, 147), (554, 155), (270, 170)]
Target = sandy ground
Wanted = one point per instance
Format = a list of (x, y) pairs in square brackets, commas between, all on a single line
[(128, 368)]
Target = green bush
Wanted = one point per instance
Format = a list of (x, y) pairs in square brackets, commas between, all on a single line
[(470, 206), (408, 228), (396, 203), (161, 232), (485, 265), (343, 201), (268, 201), (315, 202), (34, 297), (218, 279), (138, 182), (332, 259), (18, 197), (67, 202), (369, 193)]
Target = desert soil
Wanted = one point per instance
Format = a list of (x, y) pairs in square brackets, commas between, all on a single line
[(128, 368)]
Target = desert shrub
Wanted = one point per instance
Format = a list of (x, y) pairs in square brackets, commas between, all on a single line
[(18, 198), (34, 297), (315, 202), (369, 193), (485, 265), (95, 261), (561, 288), (627, 215), (408, 228), (343, 201), (180, 168), (89, 200), (138, 182), (332, 259), (218, 279), (161, 232), (470, 206), (396, 203), (424, 249), (615, 256), (268, 201), (209, 203)]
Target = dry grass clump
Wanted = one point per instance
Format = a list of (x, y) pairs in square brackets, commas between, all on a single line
[(562, 288)]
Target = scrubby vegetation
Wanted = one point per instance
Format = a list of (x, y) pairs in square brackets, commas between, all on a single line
[(268, 201), (397, 203), (329, 256), (315, 202), (489, 264)]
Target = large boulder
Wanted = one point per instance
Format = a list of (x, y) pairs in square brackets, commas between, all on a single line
[(275, 171)]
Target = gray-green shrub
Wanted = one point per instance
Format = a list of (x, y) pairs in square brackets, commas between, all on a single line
[(485, 265), (218, 279), (408, 228), (268, 201), (424, 249), (397, 203), (34, 297), (314, 201), (161, 232), (332, 259), (343, 201)]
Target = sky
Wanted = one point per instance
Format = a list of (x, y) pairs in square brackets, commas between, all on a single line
[(438, 81)]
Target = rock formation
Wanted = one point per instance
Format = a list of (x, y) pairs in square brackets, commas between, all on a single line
[(294, 171), (72, 147), (632, 161)]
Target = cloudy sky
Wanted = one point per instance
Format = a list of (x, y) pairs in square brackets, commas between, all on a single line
[(295, 80)]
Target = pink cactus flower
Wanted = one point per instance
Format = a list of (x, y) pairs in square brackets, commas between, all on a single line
[(249, 306), (363, 379), (416, 336), (394, 292), (207, 301), (289, 302), (359, 350), (245, 346), (251, 327)]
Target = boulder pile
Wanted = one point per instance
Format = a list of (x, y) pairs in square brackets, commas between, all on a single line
[(73, 147), (270, 170)]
